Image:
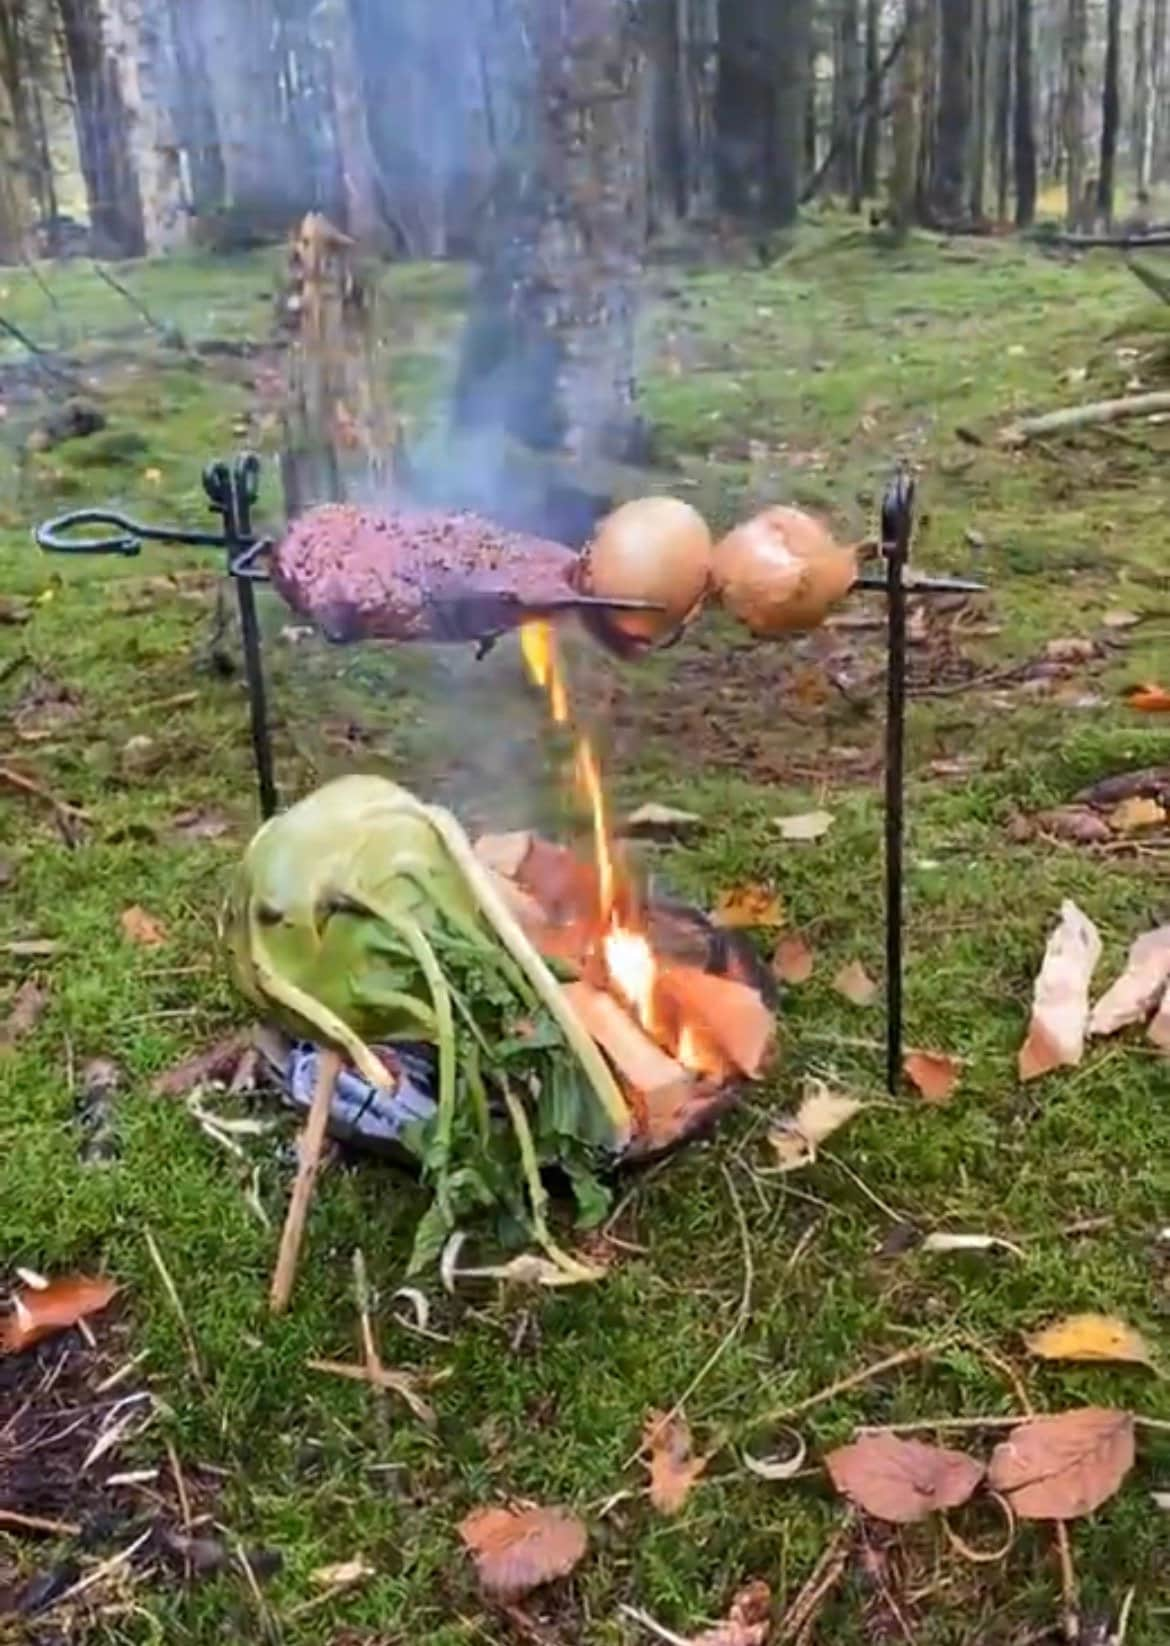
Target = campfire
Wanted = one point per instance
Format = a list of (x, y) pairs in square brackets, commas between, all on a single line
[(675, 1028)]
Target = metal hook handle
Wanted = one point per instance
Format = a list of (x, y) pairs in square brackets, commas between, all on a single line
[(49, 535)]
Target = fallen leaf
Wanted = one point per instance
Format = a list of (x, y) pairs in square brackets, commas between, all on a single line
[(806, 826), (654, 820), (934, 1073), (1090, 1337), (748, 906), (1161, 1500), (202, 825), (1140, 811), (940, 1241), (40, 1312), (1119, 618), (902, 1480), (142, 928), (1149, 698), (795, 1138), (1070, 650), (517, 1550), (1061, 1467), (673, 1468), (344, 1574), (748, 1622), (855, 983), (24, 1014), (1080, 824), (793, 960), (1158, 1033), (216, 1062), (1060, 1001), (1141, 985)]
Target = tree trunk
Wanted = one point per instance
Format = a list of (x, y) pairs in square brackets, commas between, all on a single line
[(103, 138), (1142, 129), (194, 113), (871, 130), (15, 202), (981, 78), (264, 183), (953, 117), (1023, 126), (1110, 111), (792, 78), (1001, 129), (846, 96), (907, 122), (928, 111), (355, 153), (666, 179), (1075, 37), (548, 354), (1160, 76), (698, 46), (137, 40)]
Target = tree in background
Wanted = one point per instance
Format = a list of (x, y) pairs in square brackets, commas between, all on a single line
[(907, 121), (1075, 39), (1023, 123), (953, 114), (1110, 111)]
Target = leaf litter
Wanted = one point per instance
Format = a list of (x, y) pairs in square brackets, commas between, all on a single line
[(674, 1469), (796, 1138), (1141, 985), (804, 826), (1091, 1337), (1063, 1466), (28, 1005), (40, 1312), (902, 1480), (935, 1074), (142, 928), (855, 983), (748, 907), (793, 960), (1060, 1002)]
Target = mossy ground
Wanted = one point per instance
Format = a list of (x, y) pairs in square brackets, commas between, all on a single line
[(802, 381)]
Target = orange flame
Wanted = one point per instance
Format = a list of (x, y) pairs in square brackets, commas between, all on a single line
[(538, 643)]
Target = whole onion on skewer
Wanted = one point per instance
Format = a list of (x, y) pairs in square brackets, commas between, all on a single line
[(781, 571), (655, 549)]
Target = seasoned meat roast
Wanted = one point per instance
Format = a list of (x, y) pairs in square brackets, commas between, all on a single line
[(405, 574)]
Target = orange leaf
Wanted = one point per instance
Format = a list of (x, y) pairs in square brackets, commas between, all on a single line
[(40, 1312), (934, 1073), (793, 960), (516, 1550), (748, 906), (855, 983), (1153, 699), (673, 1468), (902, 1480), (142, 928), (1061, 1467)]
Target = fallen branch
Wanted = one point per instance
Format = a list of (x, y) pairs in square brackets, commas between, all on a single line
[(16, 780), (1123, 242), (1080, 417), (42, 357), (1150, 279), (167, 333)]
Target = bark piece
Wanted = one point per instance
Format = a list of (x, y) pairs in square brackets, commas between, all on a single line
[(638, 1061)]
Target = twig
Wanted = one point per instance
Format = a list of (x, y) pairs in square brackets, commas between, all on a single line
[(42, 357), (1122, 1628), (800, 1617), (904, 1357), (729, 1337), (180, 1485), (888, 1211), (27, 785), (37, 1523), (176, 1303), (924, 1425), (312, 1141), (652, 1626), (135, 303), (106, 1569), (1079, 417), (1070, 1621), (267, 1623)]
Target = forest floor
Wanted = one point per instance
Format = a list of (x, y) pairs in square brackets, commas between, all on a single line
[(803, 381)]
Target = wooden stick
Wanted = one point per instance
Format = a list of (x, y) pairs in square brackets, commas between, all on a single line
[(37, 1523), (1080, 417), (312, 1141)]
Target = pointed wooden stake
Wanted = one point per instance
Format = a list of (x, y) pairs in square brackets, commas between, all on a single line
[(312, 1141)]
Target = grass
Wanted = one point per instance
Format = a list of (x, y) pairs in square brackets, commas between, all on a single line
[(798, 381)]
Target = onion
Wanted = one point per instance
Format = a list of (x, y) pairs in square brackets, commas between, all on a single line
[(655, 548), (782, 570)]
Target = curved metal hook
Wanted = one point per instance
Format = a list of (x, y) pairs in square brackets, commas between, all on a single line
[(50, 534)]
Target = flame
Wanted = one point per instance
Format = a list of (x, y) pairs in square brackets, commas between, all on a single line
[(630, 962)]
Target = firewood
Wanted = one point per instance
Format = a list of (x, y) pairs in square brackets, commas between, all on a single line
[(1081, 417), (504, 853), (639, 1062), (725, 1014)]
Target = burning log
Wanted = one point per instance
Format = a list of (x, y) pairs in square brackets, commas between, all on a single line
[(642, 1066), (721, 1017)]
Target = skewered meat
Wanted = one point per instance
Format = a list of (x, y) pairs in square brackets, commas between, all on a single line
[(403, 574)]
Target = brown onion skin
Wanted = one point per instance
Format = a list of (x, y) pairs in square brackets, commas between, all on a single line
[(653, 548), (781, 571)]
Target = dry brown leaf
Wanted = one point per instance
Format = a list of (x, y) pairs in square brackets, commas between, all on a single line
[(793, 960), (795, 1138), (202, 824), (343, 1574), (1136, 812), (750, 906), (806, 826), (1061, 1467), (504, 852), (1141, 985), (1070, 650), (1149, 698), (1119, 618), (748, 1622), (142, 928), (1060, 1001), (24, 1014), (855, 983), (43, 1311), (902, 1480), (1080, 824), (1091, 1337), (216, 1062), (654, 821), (934, 1073), (517, 1550), (673, 1468)]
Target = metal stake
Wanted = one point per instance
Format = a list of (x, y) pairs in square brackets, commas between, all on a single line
[(897, 523)]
